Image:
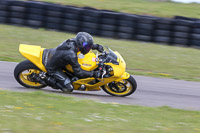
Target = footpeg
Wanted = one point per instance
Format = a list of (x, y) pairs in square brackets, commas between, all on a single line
[(82, 88)]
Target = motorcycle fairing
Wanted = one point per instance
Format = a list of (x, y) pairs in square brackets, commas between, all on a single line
[(34, 54), (118, 75), (87, 62)]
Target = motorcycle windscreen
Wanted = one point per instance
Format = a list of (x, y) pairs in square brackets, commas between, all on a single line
[(111, 58)]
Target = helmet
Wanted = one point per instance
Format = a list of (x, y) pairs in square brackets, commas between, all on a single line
[(84, 42)]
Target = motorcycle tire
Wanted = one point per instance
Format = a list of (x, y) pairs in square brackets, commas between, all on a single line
[(22, 77), (128, 90)]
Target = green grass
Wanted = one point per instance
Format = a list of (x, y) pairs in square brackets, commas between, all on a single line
[(37, 112), (143, 7), (141, 58)]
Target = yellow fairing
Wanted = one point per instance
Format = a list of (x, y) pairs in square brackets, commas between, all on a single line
[(34, 54), (119, 70), (118, 75), (87, 62)]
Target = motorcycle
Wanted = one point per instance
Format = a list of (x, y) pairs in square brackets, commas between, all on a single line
[(32, 73)]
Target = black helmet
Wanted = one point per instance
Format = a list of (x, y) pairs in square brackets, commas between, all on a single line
[(84, 42)]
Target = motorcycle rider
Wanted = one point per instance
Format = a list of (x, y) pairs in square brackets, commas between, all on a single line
[(56, 59)]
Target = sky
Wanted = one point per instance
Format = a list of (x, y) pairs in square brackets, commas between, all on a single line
[(187, 1)]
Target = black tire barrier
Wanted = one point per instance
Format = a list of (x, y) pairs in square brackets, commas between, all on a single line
[(162, 39), (72, 22), (162, 33), (195, 43), (145, 26), (183, 23), (35, 4), (129, 30), (146, 20), (90, 25), (3, 7), (163, 26), (34, 23), (91, 13), (90, 19), (107, 33), (143, 38), (54, 14), (196, 30), (166, 21), (3, 19), (177, 30), (90, 31), (35, 17), (36, 11), (108, 21), (73, 10), (181, 41), (69, 28), (196, 36), (17, 9), (53, 19), (125, 35), (109, 15), (50, 25), (108, 27), (17, 21), (17, 15), (3, 13), (180, 35), (185, 18), (182, 28), (126, 23), (71, 16), (144, 32), (197, 24)]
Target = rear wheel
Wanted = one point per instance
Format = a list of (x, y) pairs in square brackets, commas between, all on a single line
[(123, 88), (25, 73)]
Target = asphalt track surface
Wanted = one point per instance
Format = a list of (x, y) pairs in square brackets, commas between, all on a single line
[(150, 92)]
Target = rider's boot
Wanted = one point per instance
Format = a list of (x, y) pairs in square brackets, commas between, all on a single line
[(68, 88)]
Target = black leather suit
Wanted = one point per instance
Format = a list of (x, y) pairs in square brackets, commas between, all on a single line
[(56, 59)]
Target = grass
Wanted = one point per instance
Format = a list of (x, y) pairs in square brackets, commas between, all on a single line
[(143, 7), (38, 112), (141, 58)]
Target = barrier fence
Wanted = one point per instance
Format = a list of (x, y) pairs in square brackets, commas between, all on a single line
[(174, 31)]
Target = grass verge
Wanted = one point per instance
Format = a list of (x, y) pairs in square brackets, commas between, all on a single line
[(38, 112), (143, 7), (141, 58)]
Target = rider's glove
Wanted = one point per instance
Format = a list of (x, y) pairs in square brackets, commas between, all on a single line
[(98, 47), (97, 74)]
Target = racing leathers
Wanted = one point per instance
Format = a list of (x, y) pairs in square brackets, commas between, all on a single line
[(56, 59)]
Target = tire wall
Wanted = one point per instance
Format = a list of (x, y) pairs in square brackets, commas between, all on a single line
[(174, 31)]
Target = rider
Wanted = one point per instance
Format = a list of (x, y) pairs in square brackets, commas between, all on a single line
[(56, 59)]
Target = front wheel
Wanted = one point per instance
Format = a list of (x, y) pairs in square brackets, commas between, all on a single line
[(24, 74), (123, 88)]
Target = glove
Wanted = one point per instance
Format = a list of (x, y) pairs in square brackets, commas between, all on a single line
[(97, 74), (100, 48)]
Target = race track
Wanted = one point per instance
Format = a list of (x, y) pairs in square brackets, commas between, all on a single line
[(150, 92)]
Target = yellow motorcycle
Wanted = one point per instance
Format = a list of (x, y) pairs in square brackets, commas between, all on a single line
[(32, 73)]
